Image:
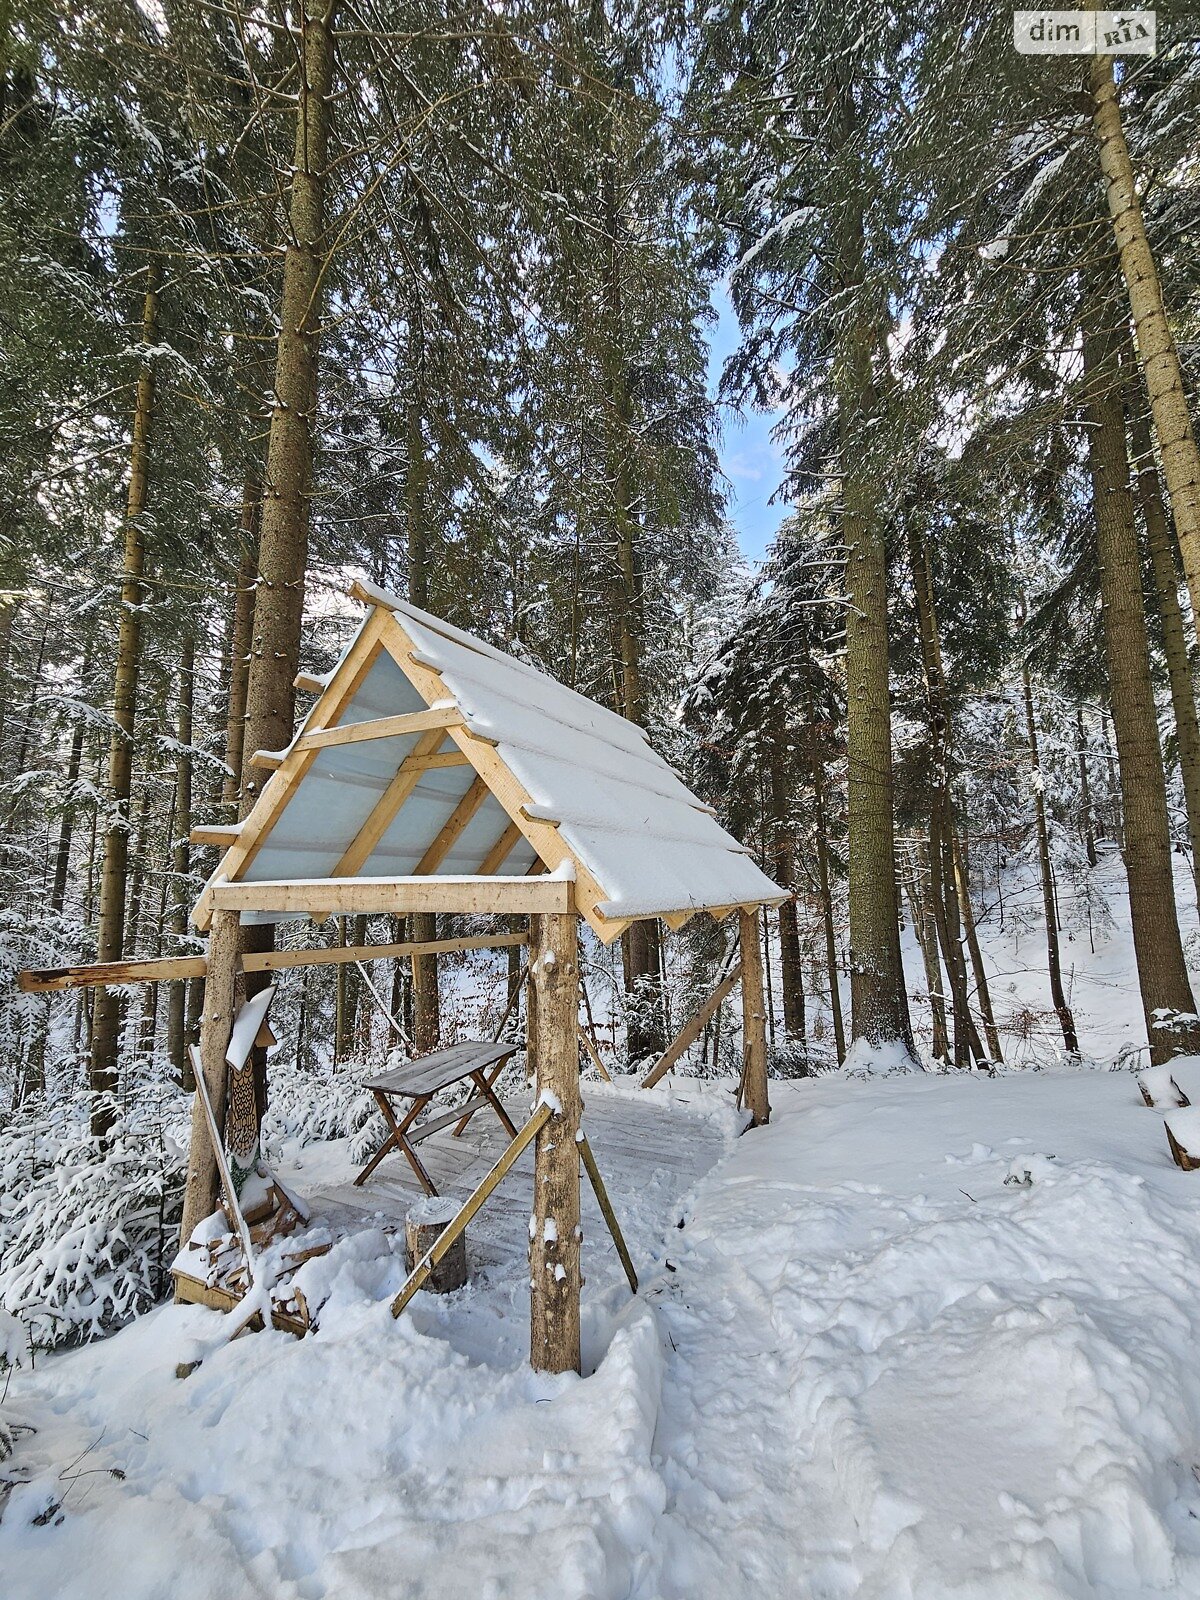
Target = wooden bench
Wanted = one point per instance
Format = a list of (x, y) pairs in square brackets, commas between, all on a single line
[(421, 1081)]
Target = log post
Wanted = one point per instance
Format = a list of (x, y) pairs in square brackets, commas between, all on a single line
[(554, 1232), (754, 1017), (220, 998)]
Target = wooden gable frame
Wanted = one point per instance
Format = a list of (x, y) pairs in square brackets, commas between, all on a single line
[(445, 739)]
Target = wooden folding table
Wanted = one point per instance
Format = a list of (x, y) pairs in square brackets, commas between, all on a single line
[(421, 1081)]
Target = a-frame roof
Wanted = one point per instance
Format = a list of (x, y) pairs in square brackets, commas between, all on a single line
[(506, 771)]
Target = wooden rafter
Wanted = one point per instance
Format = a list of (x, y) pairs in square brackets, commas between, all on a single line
[(221, 837), (484, 757), (454, 826), (383, 813), (500, 851)]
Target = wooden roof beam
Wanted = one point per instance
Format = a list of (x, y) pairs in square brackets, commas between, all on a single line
[(324, 897), (453, 829), (397, 727), (383, 813), (500, 851)]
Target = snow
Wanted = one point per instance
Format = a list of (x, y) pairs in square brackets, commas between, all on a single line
[(431, 1208), (625, 816), (1158, 1083), (1185, 1075), (250, 1018), (878, 1060), (1184, 1124), (862, 1363)]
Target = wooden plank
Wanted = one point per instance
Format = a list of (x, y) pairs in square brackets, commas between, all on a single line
[(396, 727), (408, 775), (455, 824), (327, 897), (306, 682), (44, 980), (505, 1164), (446, 758), (428, 1074), (691, 1030), (283, 960), (426, 1130), (166, 969), (192, 1291), (221, 837), (329, 706), (586, 1041), (606, 1210), (500, 851)]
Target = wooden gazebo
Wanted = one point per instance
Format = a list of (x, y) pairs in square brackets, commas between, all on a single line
[(435, 773)]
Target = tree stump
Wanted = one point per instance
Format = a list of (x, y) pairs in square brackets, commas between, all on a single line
[(424, 1224)]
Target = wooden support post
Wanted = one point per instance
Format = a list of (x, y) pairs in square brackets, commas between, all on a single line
[(692, 1029), (754, 1018), (554, 1231), (220, 997)]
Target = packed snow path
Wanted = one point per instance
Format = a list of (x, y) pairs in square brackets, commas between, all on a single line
[(865, 1366), (925, 1381)]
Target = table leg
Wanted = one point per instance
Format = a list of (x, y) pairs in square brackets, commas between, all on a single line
[(485, 1089)]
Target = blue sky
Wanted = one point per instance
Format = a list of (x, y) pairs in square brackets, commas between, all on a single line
[(749, 460)]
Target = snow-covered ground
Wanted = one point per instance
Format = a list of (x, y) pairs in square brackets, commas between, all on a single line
[(861, 1362), (865, 1366)]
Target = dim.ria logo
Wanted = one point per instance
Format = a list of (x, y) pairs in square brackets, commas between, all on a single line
[(1084, 33)]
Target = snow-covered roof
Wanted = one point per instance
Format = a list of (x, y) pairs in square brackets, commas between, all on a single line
[(569, 784)]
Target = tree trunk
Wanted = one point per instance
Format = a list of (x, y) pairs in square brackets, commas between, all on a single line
[(1162, 972), (283, 541), (181, 859), (287, 485), (755, 1096), (983, 994), (426, 1020), (241, 633), (1155, 346), (554, 1231), (817, 767), (62, 853), (876, 980), (926, 929), (220, 1001), (790, 965), (1085, 788), (1057, 993), (110, 933), (1166, 586)]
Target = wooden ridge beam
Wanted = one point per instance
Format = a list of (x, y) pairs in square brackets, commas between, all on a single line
[(167, 969), (327, 897), (691, 1030)]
